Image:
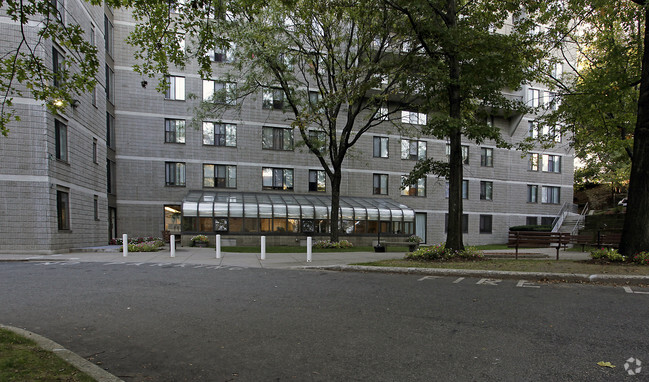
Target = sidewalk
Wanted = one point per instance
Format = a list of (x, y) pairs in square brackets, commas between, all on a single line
[(207, 256)]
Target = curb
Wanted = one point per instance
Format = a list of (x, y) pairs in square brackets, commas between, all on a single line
[(538, 276), (94, 371)]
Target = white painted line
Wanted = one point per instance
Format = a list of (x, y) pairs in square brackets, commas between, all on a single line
[(488, 282), (459, 280), (428, 277), (629, 290), (526, 284)]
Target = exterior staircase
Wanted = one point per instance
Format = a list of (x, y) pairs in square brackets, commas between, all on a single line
[(568, 221)]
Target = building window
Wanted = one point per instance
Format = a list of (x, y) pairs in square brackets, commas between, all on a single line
[(486, 190), (552, 133), (531, 220), (465, 223), (380, 183), (417, 189), (413, 149), (532, 131), (59, 8), (220, 92), (532, 193), (108, 36), (219, 134), (61, 140), (551, 163), (486, 157), (273, 99), (93, 97), (277, 178), (547, 220), (380, 147), (534, 97), (317, 180), (550, 195), (382, 114), (176, 89), (94, 150), (110, 84), (110, 176), (219, 176), (413, 117), (95, 204), (277, 138), (534, 162), (63, 210), (174, 130), (110, 130), (318, 139), (485, 223), (174, 174), (222, 54), (58, 67), (465, 153), (465, 189)]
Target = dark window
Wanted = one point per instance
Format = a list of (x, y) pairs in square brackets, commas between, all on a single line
[(531, 220), (465, 189), (412, 149), (96, 207), (273, 99), (174, 130), (94, 150), (63, 210), (381, 147), (277, 178), (108, 36), (532, 193), (547, 220), (416, 189), (219, 176), (317, 180), (219, 134), (61, 140), (58, 67), (174, 174), (380, 184), (550, 194), (110, 130), (486, 190), (276, 138), (110, 176), (485, 223), (486, 157)]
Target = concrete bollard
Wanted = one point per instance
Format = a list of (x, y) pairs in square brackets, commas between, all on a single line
[(263, 247), (125, 244), (309, 252), (172, 245), (218, 246)]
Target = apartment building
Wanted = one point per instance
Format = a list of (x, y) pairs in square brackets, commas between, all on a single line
[(128, 160)]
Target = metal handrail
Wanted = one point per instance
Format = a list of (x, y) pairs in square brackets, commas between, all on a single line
[(556, 223), (582, 217)]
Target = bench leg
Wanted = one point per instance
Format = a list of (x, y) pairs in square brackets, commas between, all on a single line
[(558, 247)]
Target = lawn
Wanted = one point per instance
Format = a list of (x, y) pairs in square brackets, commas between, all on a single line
[(552, 266), (22, 360)]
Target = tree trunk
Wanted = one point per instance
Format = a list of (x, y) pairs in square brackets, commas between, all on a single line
[(635, 236), (335, 204), (454, 232)]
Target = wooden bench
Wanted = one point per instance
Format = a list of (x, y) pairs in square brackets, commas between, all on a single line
[(535, 239), (583, 240), (403, 243), (609, 239)]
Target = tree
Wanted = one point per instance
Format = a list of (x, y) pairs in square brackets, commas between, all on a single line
[(465, 66), (616, 86), (331, 66), (24, 68)]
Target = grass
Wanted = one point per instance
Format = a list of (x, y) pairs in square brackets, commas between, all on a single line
[(300, 249), (22, 360), (552, 266)]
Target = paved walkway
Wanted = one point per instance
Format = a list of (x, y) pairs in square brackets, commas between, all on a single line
[(191, 255)]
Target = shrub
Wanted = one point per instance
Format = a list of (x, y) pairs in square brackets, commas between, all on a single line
[(607, 254), (146, 246), (439, 252), (641, 258), (137, 240), (199, 238), (415, 239), (330, 244)]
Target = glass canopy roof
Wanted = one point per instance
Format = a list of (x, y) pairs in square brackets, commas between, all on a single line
[(262, 205)]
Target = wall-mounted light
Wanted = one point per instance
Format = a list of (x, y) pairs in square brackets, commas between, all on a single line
[(144, 83), (75, 103)]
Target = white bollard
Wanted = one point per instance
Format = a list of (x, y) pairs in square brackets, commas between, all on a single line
[(125, 244), (218, 246), (309, 242), (263, 247), (172, 245)]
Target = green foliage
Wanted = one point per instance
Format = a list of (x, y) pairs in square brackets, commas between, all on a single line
[(330, 244), (147, 246), (540, 228), (641, 258), (607, 254), (26, 72), (439, 252), (199, 238)]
